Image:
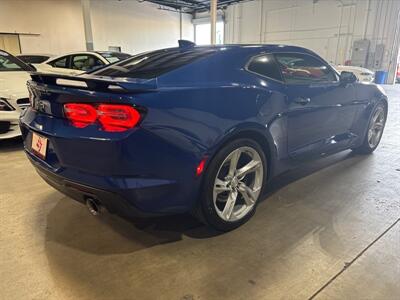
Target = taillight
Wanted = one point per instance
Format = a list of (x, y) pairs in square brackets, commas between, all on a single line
[(80, 115), (112, 117)]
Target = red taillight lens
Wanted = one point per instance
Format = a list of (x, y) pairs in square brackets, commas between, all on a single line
[(112, 117), (80, 115)]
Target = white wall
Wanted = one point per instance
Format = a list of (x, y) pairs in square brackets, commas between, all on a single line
[(132, 25), (328, 27), (136, 27), (58, 24)]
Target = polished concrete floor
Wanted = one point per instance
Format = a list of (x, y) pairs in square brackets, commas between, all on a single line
[(329, 230)]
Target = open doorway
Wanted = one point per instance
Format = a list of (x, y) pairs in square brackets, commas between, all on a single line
[(203, 33), (10, 43)]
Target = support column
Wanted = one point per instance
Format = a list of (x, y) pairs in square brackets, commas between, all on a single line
[(213, 19), (180, 24), (87, 24)]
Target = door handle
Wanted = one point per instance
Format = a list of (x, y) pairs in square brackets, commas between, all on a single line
[(302, 101)]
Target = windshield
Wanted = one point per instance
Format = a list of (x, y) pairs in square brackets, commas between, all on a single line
[(113, 57), (153, 64), (11, 63)]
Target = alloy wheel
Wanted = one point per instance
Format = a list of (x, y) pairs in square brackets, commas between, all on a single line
[(238, 184), (376, 126)]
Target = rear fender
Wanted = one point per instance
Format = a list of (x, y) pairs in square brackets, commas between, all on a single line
[(253, 131)]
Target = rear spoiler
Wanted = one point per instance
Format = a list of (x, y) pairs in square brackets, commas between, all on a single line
[(96, 83)]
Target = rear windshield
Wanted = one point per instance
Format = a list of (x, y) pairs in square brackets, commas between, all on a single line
[(11, 63), (113, 57), (153, 64)]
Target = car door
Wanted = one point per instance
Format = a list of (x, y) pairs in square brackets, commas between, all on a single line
[(320, 110), (81, 63)]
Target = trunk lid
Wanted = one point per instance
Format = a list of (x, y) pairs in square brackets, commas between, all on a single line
[(49, 92)]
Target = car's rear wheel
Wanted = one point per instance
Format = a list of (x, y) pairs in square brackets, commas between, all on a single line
[(375, 129), (233, 185)]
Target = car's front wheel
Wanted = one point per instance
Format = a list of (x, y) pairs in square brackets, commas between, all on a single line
[(233, 185), (376, 125)]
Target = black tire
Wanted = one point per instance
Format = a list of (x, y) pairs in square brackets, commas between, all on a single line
[(206, 211), (365, 147)]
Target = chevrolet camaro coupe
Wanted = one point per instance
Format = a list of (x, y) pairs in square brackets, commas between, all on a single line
[(197, 129)]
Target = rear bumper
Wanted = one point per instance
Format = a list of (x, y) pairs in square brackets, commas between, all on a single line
[(133, 174), (133, 197), (113, 202)]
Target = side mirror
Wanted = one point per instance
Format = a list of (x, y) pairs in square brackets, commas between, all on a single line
[(347, 77)]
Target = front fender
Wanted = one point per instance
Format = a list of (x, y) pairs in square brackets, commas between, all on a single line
[(369, 95)]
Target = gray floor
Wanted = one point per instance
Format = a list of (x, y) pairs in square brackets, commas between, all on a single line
[(329, 230)]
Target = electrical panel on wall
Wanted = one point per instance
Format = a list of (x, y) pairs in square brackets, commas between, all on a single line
[(114, 48), (360, 53)]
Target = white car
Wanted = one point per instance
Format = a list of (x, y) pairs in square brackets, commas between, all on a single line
[(80, 62), (14, 97), (362, 74)]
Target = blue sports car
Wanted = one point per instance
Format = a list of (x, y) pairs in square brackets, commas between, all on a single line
[(195, 129)]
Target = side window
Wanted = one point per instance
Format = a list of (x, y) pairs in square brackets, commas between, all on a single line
[(265, 65), (299, 68), (85, 62), (60, 63)]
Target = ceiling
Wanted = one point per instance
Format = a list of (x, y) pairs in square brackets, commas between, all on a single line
[(191, 6)]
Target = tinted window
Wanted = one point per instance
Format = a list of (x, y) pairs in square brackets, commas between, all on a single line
[(154, 64), (265, 65), (85, 62), (113, 57), (33, 59), (10, 63), (302, 68), (60, 63)]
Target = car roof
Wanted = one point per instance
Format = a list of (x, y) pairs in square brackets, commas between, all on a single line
[(77, 52), (249, 47), (98, 53), (110, 52), (53, 58), (243, 50), (35, 54), (4, 51), (222, 58)]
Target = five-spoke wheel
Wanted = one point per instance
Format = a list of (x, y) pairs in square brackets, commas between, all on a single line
[(376, 125), (233, 184), (238, 183)]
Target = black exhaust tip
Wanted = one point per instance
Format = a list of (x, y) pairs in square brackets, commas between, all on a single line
[(93, 206)]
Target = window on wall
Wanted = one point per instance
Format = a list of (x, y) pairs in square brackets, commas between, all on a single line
[(203, 33), (10, 43)]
